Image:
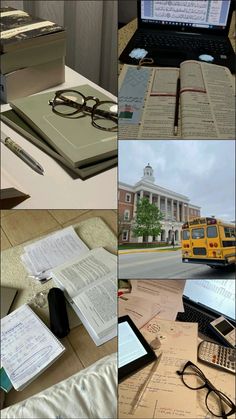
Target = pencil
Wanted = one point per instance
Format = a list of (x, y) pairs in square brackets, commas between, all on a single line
[(176, 120)]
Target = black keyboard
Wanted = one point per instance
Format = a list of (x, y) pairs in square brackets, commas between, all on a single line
[(193, 315), (178, 42)]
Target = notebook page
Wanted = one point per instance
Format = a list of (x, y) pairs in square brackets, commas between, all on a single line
[(27, 346), (53, 250)]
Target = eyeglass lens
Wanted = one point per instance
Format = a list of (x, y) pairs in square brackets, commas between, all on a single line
[(104, 115), (216, 401)]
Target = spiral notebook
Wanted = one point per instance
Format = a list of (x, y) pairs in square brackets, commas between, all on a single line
[(28, 347)]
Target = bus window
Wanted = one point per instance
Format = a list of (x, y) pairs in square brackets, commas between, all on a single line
[(198, 233), (212, 232), (229, 232), (186, 234)]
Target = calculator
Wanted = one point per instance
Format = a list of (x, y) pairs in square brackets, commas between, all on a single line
[(217, 355)]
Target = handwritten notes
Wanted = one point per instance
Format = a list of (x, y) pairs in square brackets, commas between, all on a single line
[(165, 396), (27, 346)]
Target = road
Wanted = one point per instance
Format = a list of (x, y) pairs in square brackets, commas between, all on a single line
[(167, 264)]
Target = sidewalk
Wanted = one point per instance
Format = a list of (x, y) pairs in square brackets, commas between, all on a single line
[(150, 249)]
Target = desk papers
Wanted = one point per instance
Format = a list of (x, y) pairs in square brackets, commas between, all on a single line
[(149, 297), (28, 347), (90, 285), (43, 255), (165, 396)]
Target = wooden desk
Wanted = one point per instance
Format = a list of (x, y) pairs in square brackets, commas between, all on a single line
[(18, 228), (128, 30)]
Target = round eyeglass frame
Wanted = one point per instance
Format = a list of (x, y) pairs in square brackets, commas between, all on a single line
[(207, 384), (92, 110)]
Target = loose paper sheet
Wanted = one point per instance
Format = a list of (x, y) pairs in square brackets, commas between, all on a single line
[(165, 396), (53, 250)]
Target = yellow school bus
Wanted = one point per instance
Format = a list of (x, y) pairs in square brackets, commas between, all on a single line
[(208, 241)]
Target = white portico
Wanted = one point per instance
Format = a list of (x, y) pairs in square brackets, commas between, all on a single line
[(175, 207)]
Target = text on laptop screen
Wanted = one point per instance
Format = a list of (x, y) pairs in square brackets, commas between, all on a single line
[(218, 294), (129, 346), (212, 14)]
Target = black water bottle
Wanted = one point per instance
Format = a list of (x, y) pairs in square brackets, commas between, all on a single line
[(59, 323)]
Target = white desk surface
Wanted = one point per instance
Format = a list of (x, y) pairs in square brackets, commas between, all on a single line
[(56, 189)]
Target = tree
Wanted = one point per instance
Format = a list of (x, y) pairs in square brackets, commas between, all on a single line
[(148, 219)]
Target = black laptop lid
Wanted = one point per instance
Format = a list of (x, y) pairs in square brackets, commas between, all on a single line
[(196, 16)]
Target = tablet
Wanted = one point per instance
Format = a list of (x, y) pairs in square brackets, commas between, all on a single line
[(133, 350)]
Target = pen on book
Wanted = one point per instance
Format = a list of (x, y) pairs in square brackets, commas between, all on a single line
[(22, 154), (176, 120)]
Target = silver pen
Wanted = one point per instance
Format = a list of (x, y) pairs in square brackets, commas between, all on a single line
[(9, 143)]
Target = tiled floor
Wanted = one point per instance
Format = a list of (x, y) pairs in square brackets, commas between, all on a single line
[(19, 226)]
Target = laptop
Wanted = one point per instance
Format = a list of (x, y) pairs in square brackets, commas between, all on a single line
[(170, 32), (207, 299), (7, 298)]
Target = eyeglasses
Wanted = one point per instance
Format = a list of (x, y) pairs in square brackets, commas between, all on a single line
[(69, 103), (217, 403)]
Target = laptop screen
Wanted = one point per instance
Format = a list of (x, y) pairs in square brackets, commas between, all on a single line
[(208, 14), (218, 294)]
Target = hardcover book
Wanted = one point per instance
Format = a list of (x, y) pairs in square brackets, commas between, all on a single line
[(19, 29), (76, 139)]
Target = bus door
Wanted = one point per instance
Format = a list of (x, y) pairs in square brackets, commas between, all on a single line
[(213, 241), (198, 242)]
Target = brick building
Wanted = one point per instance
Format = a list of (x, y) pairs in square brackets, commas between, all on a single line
[(175, 207)]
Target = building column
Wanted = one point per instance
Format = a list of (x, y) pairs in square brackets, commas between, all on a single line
[(172, 209), (182, 212), (150, 239), (177, 214), (141, 194), (166, 208), (140, 239), (187, 212), (150, 198), (159, 202)]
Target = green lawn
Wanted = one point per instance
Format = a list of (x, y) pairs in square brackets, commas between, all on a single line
[(145, 246)]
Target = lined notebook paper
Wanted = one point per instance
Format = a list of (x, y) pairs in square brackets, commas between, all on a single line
[(28, 347)]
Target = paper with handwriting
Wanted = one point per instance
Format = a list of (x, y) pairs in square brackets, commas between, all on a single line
[(165, 396), (27, 346)]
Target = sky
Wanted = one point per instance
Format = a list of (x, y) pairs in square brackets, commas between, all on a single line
[(203, 170)]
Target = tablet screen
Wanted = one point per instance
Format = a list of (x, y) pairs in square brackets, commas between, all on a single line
[(134, 352), (129, 346)]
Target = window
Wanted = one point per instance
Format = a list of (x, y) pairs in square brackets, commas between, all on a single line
[(126, 215), (212, 232), (127, 197), (125, 235), (229, 232), (186, 234), (198, 233)]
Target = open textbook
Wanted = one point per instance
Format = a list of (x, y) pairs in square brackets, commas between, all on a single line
[(28, 347), (147, 98), (53, 250), (90, 285)]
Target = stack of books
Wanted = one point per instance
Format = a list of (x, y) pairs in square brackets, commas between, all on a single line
[(32, 54)]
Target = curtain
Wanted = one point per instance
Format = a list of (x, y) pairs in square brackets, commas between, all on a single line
[(91, 27)]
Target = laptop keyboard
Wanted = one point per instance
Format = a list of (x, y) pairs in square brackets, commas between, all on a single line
[(189, 43)]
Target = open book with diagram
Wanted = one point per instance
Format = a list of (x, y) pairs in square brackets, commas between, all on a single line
[(147, 98), (90, 285)]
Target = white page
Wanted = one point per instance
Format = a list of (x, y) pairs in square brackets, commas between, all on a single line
[(98, 305), (83, 272), (53, 250), (27, 346), (165, 396), (167, 293), (139, 309)]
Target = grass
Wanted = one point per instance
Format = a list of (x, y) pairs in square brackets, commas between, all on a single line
[(145, 246)]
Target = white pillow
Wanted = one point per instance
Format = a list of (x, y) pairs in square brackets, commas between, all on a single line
[(91, 393)]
